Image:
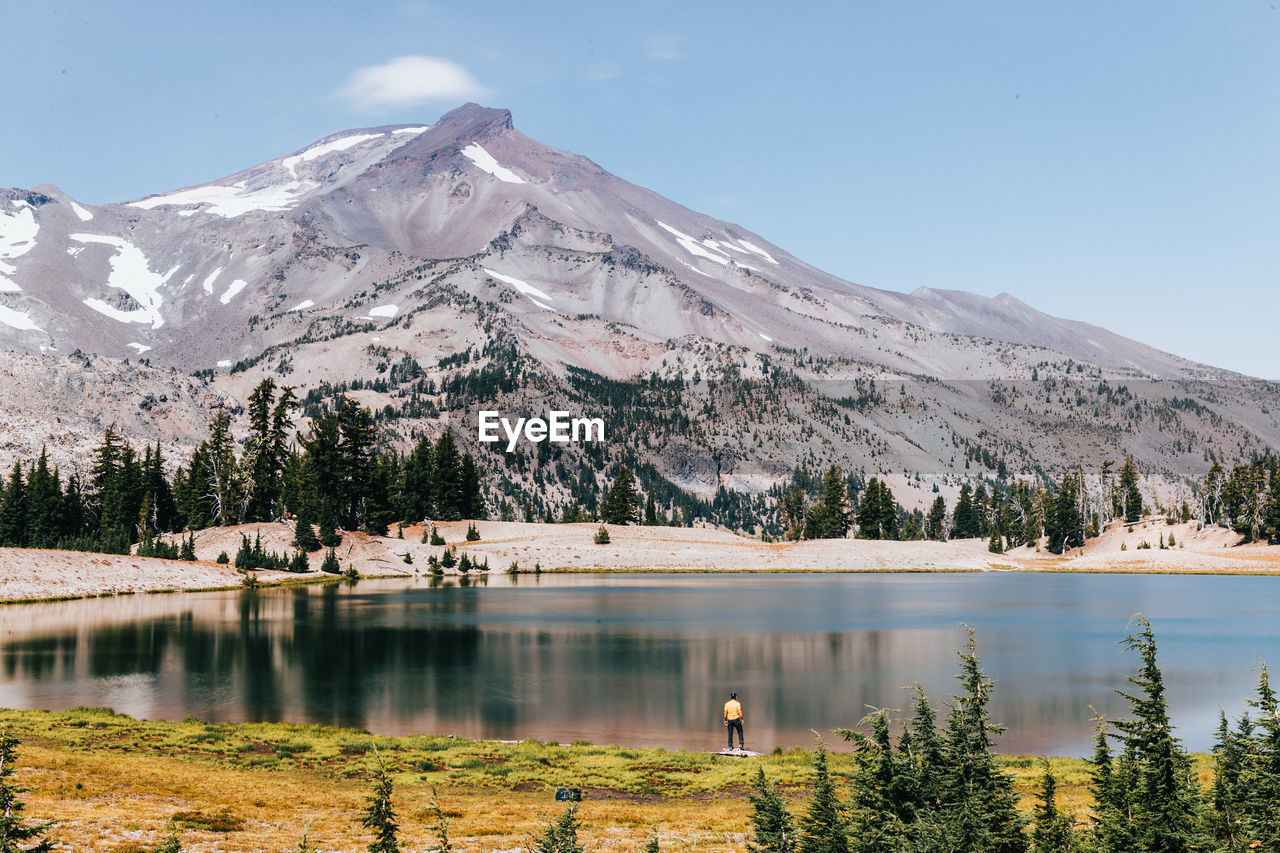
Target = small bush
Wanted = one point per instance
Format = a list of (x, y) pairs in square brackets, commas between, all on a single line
[(223, 559), (602, 535), (473, 535), (330, 564)]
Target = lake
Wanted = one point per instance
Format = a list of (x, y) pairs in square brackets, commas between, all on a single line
[(647, 659)]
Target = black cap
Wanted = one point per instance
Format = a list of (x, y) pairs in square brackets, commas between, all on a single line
[(733, 695)]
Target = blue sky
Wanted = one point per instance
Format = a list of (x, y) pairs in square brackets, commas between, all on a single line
[(1115, 162)]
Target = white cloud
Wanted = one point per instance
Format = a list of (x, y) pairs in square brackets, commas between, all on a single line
[(407, 80)]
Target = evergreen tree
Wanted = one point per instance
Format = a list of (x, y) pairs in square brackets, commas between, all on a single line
[(472, 489), (621, 504), (44, 505), (559, 835), (304, 536), (883, 807), (448, 498), (14, 829), (771, 822), (935, 526), (1166, 802), (13, 510), (877, 512), (1264, 787), (265, 450), (650, 511), (979, 805), (830, 517), (1231, 820), (330, 564), (1063, 523), (1052, 831), (222, 487), (822, 826), (379, 815), (1113, 830), (1130, 495), (417, 483), (966, 520)]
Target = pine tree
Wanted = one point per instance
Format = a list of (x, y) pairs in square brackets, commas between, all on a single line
[(1052, 831), (1109, 783), (771, 822), (935, 526), (621, 504), (448, 498), (1166, 801), (1231, 820), (14, 829), (831, 514), (1130, 495), (379, 815), (965, 524), (44, 505), (883, 805), (303, 536), (13, 510), (822, 826), (330, 564), (559, 835), (980, 808)]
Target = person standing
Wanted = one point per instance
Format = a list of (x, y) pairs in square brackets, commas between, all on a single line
[(733, 719)]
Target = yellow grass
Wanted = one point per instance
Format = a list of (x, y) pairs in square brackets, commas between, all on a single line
[(116, 784)]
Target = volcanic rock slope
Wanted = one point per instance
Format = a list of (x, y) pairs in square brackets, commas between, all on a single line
[(494, 272)]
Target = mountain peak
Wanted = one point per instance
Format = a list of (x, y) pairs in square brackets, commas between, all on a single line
[(472, 121)]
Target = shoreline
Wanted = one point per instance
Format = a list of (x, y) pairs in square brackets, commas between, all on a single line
[(29, 576)]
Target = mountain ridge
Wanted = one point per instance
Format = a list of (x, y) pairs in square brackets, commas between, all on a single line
[(462, 243)]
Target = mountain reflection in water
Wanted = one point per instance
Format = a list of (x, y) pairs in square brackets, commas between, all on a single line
[(644, 659)]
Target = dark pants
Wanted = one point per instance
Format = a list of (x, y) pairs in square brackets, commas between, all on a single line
[(735, 724)]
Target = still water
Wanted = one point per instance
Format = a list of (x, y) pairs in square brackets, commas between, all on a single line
[(647, 659)]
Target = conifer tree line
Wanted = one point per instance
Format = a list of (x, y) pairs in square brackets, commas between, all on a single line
[(1061, 514), (333, 476)]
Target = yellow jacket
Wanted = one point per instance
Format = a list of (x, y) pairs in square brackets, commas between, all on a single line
[(732, 710)]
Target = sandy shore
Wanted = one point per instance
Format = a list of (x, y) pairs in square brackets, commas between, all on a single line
[(37, 574)]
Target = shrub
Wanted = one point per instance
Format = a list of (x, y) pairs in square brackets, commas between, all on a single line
[(330, 564), (473, 535), (602, 535), (223, 559)]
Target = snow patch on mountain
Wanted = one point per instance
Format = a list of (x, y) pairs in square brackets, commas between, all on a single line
[(17, 320), (306, 303), (209, 280), (141, 348), (756, 250), (342, 144), (527, 289), (484, 160), (414, 130), (384, 311), (79, 211), (232, 291), (231, 201), (131, 273), (693, 247), (17, 237)]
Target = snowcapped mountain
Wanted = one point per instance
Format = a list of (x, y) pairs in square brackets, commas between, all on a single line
[(301, 236), (440, 240)]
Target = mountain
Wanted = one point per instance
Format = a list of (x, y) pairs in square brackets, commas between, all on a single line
[(470, 250)]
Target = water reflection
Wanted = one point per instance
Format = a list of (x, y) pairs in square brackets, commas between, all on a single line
[(641, 659)]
